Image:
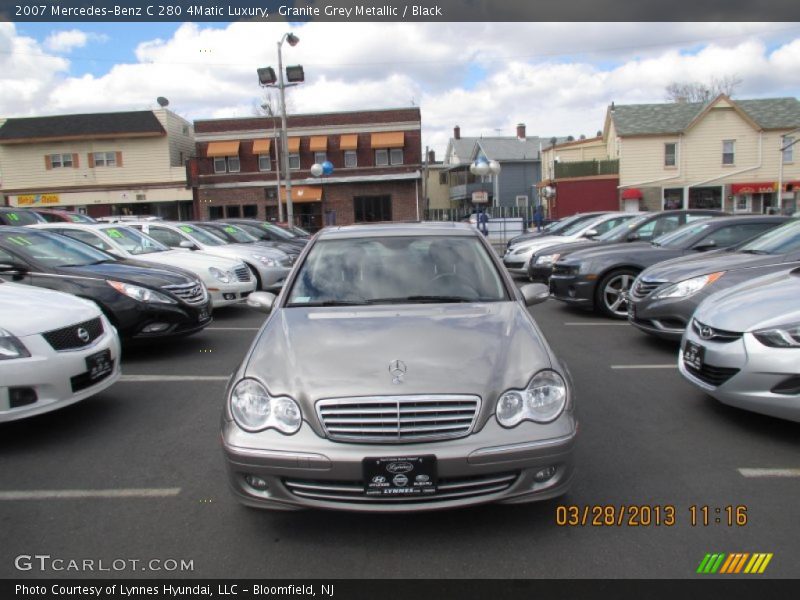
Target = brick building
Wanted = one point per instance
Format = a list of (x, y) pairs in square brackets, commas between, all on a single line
[(376, 157)]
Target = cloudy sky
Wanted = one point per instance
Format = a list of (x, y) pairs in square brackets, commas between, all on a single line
[(556, 78)]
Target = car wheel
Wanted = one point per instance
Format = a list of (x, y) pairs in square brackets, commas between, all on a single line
[(611, 295), (254, 273)]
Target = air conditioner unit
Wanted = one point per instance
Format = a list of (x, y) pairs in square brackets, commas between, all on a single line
[(140, 197), (522, 201)]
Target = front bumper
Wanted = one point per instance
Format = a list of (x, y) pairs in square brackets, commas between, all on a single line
[(517, 264), (134, 318), (751, 371), (540, 273), (666, 319), (572, 289), (308, 471), (224, 294), (56, 377)]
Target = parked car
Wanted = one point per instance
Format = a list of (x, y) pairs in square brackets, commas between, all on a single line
[(555, 227), (128, 218), (400, 370), (228, 280), (601, 278), (141, 301), (58, 216), (743, 346), (236, 234), (643, 227), (269, 266), (269, 232), (17, 217), (664, 296), (55, 350), (517, 257)]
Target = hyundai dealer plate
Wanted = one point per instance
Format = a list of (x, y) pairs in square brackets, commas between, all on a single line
[(400, 476)]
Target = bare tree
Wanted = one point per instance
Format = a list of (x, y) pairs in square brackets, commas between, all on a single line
[(269, 104), (693, 91)]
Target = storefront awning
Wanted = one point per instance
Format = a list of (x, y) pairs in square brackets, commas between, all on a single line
[(318, 143), (217, 149), (261, 146), (303, 193), (632, 194), (754, 188), (789, 186), (348, 141), (392, 139), (294, 145)]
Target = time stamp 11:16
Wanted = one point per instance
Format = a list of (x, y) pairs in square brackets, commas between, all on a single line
[(649, 515)]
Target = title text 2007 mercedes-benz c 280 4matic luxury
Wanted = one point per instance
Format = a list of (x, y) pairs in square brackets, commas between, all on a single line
[(399, 370)]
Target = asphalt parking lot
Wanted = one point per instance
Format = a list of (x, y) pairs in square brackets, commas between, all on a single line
[(137, 473)]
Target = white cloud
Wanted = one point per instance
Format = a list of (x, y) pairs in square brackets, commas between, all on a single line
[(66, 41)]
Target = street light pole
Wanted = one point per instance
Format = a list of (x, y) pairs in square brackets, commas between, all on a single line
[(285, 137), (271, 114)]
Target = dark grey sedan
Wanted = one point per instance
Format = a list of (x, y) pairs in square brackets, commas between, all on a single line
[(399, 370), (664, 297), (602, 277)]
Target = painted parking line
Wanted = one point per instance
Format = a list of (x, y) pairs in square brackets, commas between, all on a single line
[(232, 328), (595, 323), (83, 494), (666, 366), (168, 378), (755, 473)]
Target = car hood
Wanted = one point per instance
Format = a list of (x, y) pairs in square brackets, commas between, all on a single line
[(567, 249), (544, 242), (687, 267), (760, 303), (132, 271), (26, 310), (315, 353), (192, 261)]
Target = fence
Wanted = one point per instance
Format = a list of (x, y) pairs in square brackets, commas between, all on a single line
[(505, 222)]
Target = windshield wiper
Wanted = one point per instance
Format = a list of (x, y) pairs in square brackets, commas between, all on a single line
[(424, 299), (754, 252), (328, 303)]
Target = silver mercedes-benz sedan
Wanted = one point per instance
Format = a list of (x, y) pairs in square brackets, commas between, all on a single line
[(399, 370), (743, 346)]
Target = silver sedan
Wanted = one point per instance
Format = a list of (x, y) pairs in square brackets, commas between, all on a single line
[(399, 370), (743, 346)]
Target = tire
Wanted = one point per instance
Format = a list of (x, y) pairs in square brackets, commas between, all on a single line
[(610, 297)]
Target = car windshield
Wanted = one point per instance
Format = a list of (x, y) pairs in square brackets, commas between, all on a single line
[(677, 238), (22, 217), (254, 230), (202, 236), (232, 233), (54, 250), (133, 241), (580, 225), (278, 231), (780, 240), (397, 270), (620, 231)]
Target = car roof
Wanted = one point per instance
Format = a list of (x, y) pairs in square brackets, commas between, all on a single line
[(398, 229)]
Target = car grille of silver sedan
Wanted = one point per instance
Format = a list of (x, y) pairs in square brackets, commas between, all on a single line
[(242, 273), (75, 336), (191, 293), (447, 489), (710, 333), (392, 419)]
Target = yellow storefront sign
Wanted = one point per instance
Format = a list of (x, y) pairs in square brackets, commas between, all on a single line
[(32, 199)]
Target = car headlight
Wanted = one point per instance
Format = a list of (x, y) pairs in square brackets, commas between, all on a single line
[(542, 401), (688, 287), (139, 293), (11, 347), (547, 259), (785, 336), (522, 251), (254, 409), (220, 275), (266, 260)]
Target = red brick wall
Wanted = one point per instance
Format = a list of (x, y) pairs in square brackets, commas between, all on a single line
[(584, 195)]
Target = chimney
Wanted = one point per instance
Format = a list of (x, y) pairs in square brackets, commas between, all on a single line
[(457, 132), (521, 131), (431, 157)]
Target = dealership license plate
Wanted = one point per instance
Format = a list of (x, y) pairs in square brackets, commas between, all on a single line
[(693, 356), (202, 315), (400, 476), (99, 365)]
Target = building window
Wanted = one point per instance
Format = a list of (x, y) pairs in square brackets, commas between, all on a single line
[(442, 178), (673, 199), (264, 162), (58, 161), (320, 157), (250, 211), (396, 156), (350, 159), (670, 154), (372, 208), (705, 197), (214, 213), (233, 164), (219, 164), (232, 211), (788, 155), (381, 158), (742, 203), (294, 161), (228, 164), (105, 159), (728, 151)]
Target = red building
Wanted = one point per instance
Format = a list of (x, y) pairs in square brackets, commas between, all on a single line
[(376, 158)]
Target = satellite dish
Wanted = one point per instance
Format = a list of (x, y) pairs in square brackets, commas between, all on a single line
[(162, 102)]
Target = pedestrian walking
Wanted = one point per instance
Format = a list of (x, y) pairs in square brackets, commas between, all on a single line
[(538, 217)]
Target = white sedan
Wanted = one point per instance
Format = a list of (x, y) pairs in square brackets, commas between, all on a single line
[(228, 280), (55, 349)]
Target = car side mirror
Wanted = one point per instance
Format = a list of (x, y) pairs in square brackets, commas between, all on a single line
[(261, 301), (633, 237), (534, 293), (591, 233), (703, 246), (13, 268), (187, 244)]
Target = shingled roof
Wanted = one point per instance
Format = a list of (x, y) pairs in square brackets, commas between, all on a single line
[(134, 123), (667, 118)]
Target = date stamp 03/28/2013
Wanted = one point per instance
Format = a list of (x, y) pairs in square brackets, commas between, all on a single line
[(650, 515)]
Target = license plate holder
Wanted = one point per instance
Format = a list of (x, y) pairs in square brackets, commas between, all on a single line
[(99, 365), (400, 476), (693, 355)]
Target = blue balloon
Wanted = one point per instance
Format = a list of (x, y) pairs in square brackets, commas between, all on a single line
[(327, 167)]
